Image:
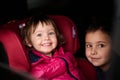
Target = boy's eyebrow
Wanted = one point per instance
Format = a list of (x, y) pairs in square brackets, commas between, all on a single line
[(96, 42), (87, 42), (102, 42)]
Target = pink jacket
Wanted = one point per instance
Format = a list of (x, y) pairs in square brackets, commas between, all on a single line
[(62, 66)]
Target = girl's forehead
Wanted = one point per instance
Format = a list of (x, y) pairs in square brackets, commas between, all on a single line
[(41, 26), (44, 27)]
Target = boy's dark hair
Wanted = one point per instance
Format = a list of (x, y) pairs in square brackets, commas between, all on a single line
[(103, 24), (93, 28)]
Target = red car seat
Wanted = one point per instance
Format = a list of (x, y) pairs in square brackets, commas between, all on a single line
[(17, 55), (66, 26), (14, 49)]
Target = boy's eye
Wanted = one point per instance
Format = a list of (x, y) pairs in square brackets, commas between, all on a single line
[(101, 45), (88, 46)]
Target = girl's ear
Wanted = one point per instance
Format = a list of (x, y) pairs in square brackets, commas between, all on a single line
[(28, 43)]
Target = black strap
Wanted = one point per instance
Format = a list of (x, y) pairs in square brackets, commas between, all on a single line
[(68, 69)]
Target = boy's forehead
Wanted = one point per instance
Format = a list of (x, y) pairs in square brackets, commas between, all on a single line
[(98, 35)]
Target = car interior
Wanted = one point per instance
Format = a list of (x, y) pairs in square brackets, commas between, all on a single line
[(71, 17), (14, 53)]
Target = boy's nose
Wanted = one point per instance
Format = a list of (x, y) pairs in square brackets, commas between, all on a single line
[(93, 51)]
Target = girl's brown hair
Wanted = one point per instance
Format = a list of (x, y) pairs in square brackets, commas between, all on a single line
[(32, 23)]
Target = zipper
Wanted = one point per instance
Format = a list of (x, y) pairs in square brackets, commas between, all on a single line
[(68, 69)]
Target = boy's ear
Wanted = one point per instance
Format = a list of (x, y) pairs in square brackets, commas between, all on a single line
[(28, 43)]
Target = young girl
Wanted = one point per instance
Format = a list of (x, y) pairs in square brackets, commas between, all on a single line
[(98, 49), (47, 57)]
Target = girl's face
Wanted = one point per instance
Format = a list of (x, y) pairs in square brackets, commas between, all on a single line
[(98, 46), (44, 39)]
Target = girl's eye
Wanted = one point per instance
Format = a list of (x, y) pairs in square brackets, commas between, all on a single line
[(51, 33), (39, 34), (101, 45)]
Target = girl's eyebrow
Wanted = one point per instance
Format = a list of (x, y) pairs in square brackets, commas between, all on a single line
[(37, 31)]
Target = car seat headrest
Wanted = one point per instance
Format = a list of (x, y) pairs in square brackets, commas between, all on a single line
[(15, 51)]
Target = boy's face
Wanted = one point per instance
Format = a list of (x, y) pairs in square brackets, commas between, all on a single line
[(98, 46), (44, 39)]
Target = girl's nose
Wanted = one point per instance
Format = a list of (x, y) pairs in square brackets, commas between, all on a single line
[(46, 37)]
